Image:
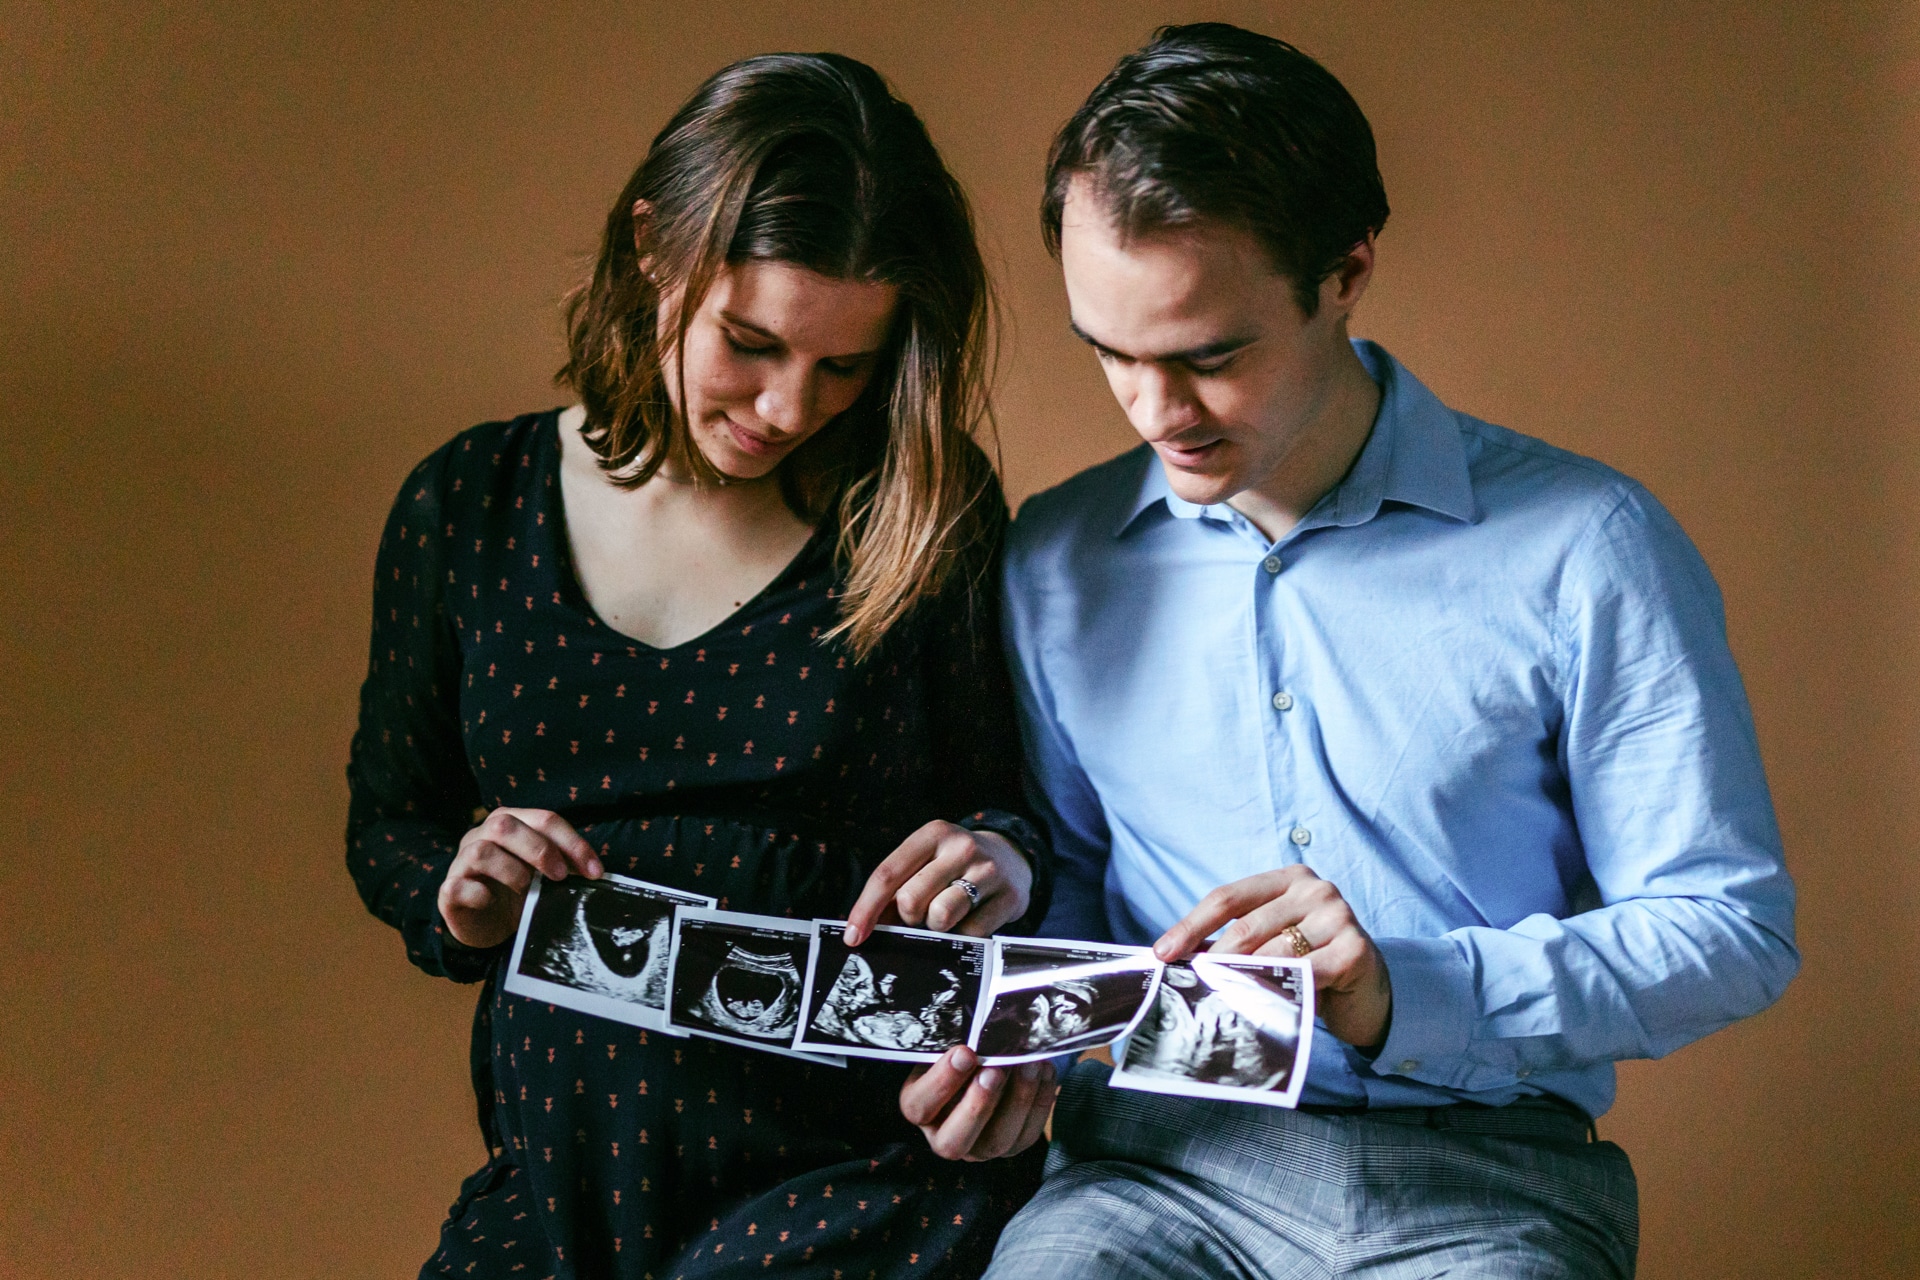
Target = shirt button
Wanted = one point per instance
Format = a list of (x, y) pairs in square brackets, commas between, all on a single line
[(1271, 564), (1302, 837), (1411, 1064), (1523, 1073), (1283, 701)]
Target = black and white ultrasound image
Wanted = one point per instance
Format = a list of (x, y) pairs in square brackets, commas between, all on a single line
[(1217, 1024), (1050, 1000), (739, 980), (898, 995), (607, 937)]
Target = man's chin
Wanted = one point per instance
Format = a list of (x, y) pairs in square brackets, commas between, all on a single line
[(1200, 488)]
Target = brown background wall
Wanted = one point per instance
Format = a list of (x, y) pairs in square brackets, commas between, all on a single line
[(253, 264)]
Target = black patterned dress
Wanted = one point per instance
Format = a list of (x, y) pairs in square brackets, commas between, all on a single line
[(757, 764)]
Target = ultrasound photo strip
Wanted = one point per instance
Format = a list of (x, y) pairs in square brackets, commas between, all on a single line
[(737, 977), (903, 995), (1047, 997), (598, 946), (1238, 1028)]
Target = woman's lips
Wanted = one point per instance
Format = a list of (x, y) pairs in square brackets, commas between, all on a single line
[(749, 443)]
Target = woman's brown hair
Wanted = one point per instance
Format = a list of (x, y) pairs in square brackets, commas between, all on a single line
[(807, 159)]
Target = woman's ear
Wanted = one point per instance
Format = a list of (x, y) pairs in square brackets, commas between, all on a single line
[(642, 216)]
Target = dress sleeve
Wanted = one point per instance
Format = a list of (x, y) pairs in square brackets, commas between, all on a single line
[(976, 738), (412, 794)]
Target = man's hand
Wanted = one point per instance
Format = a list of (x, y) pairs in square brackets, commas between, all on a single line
[(973, 1114), (1350, 974), (914, 885), (481, 896)]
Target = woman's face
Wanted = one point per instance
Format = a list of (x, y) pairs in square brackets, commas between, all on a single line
[(773, 353)]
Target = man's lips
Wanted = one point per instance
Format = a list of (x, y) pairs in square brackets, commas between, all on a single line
[(1187, 454)]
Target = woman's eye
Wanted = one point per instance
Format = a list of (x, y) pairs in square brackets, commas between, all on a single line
[(841, 370), (742, 348)]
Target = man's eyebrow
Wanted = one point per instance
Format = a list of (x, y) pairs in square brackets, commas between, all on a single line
[(1206, 351)]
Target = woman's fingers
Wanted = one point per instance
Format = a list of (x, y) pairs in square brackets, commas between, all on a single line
[(1026, 1092), (494, 863), (954, 1139), (895, 870), (930, 1090), (559, 833), (540, 838), (999, 873)]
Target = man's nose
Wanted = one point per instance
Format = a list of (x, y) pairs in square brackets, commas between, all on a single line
[(1162, 404)]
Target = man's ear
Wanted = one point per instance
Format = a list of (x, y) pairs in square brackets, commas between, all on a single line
[(1342, 290)]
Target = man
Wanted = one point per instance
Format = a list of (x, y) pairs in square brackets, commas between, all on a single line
[(1343, 672)]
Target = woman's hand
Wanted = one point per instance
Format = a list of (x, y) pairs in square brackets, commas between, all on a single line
[(968, 1113), (481, 896), (915, 885)]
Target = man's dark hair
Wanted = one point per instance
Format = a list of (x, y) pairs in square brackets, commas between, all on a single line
[(1213, 122)]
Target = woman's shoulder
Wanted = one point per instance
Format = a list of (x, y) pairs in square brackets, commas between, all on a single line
[(467, 474)]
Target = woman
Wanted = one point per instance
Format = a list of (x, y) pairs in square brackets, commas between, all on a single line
[(727, 625)]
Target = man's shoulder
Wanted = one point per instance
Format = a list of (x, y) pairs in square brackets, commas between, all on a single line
[(1079, 515), (1510, 468)]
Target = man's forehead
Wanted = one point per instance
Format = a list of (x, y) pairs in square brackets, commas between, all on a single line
[(1163, 292)]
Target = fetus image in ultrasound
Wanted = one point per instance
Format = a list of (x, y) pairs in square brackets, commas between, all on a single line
[(1062, 1008), (1217, 1024), (898, 994), (738, 981), (604, 937)]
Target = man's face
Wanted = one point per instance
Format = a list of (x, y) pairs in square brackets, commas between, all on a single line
[(1203, 344)]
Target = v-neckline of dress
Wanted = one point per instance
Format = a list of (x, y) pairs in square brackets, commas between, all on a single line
[(552, 502)]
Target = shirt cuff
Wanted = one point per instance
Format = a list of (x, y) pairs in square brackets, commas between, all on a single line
[(1434, 1010)]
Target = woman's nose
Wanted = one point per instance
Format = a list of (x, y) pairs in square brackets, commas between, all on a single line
[(785, 404)]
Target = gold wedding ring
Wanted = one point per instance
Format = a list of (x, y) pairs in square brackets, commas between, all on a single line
[(1301, 946)]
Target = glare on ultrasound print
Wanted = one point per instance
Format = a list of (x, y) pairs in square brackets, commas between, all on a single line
[(1233, 1027)]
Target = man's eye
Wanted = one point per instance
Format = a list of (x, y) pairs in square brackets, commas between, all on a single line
[(1213, 365), (742, 348)]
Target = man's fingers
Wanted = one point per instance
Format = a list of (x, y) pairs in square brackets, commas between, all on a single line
[(927, 1092), (1223, 904), (894, 870), (1263, 924)]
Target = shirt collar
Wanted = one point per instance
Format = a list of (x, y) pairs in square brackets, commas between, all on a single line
[(1414, 455)]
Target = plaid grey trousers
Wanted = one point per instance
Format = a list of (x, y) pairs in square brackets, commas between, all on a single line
[(1146, 1185)]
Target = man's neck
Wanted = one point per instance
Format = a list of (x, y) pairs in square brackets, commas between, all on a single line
[(1324, 454)]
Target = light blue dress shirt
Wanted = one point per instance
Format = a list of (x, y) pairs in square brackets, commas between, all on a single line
[(1483, 688)]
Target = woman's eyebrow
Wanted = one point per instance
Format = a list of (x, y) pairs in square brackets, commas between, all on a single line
[(740, 322)]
